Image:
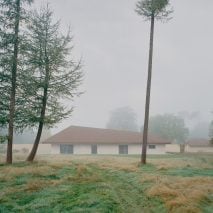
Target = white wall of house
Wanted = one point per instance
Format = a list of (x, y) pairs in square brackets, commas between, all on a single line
[(136, 149), (159, 149), (112, 149), (82, 149), (198, 149), (175, 148), (55, 149)]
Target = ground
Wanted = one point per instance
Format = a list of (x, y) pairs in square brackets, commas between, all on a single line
[(168, 183)]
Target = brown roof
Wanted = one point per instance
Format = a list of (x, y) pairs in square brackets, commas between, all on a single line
[(199, 142), (87, 135)]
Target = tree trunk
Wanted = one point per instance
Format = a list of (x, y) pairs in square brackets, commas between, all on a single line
[(148, 90), (182, 148), (13, 87), (43, 109), (41, 122), (37, 140)]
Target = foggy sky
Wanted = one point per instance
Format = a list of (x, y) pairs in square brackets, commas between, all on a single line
[(113, 42)]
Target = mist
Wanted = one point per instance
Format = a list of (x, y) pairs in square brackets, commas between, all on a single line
[(113, 43)]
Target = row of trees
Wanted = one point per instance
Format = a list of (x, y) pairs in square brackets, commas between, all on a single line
[(36, 71), (167, 126)]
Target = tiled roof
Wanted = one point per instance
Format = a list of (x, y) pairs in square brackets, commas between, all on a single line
[(87, 135), (199, 142)]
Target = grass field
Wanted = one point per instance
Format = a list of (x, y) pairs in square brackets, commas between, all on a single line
[(168, 183)]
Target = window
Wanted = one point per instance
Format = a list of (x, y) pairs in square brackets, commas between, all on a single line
[(123, 149), (152, 146), (66, 149), (93, 149)]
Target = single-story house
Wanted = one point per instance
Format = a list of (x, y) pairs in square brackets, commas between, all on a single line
[(192, 146), (199, 145), (86, 140)]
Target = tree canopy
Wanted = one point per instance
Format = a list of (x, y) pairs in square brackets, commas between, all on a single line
[(169, 126), (123, 118), (157, 8), (52, 69)]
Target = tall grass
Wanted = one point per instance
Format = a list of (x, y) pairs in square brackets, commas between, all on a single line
[(179, 183)]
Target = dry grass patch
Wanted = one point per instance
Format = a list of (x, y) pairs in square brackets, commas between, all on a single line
[(9, 173), (111, 162), (119, 167), (8, 191), (33, 170), (197, 163), (58, 165), (83, 175), (36, 185), (181, 194)]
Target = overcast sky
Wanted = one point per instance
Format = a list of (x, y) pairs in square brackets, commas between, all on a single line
[(113, 41)]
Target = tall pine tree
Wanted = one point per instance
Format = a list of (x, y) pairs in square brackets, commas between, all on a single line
[(150, 10), (12, 14), (55, 76)]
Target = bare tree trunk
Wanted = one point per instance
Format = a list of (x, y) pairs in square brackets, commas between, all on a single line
[(148, 90), (9, 159)]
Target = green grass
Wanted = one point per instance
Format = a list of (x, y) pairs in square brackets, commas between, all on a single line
[(190, 172), (108, 184)]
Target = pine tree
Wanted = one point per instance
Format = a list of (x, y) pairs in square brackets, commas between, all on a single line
[(150, 10), (12, 14), (55, 75)]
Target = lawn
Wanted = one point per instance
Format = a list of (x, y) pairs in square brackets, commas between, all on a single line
[(168, 183)]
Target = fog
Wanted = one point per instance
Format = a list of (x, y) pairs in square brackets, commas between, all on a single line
[(113, 42)]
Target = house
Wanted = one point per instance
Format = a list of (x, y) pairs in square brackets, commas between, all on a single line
[(199, 145), (86, 140), (194, 145)]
